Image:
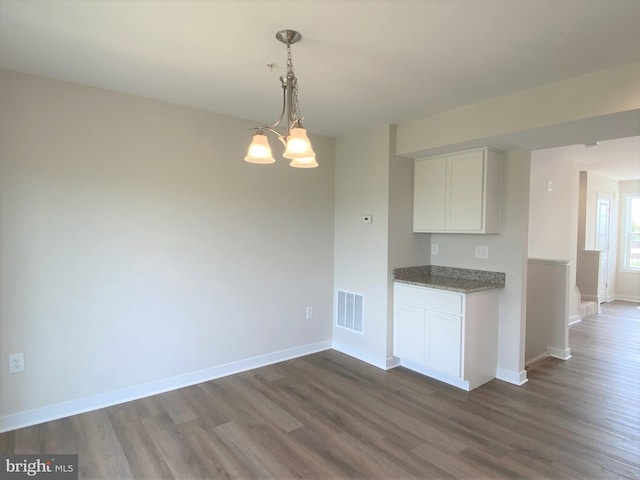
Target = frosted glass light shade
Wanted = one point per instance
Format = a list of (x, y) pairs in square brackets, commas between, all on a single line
[(308, 162), (259, 150), (298, 145)]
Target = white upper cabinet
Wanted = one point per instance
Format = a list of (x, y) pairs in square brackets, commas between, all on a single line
[(457, 193)]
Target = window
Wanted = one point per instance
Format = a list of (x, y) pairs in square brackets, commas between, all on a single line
[(632, 233)]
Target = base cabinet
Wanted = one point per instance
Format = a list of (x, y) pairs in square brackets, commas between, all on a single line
[(450, 336)]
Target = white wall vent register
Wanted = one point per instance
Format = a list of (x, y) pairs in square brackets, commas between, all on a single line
[(350, 311)]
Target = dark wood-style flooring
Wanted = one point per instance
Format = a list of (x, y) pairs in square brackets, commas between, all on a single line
[(328, 416)]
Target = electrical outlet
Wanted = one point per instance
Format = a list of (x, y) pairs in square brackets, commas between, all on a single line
[(434, 249), (16, 363), (482, 252), (309, 313), (367, 219)]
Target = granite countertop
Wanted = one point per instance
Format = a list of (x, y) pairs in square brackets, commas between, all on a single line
[(460, 280)]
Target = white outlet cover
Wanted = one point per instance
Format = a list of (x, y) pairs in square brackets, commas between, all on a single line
[(434, 249), (16, 363)]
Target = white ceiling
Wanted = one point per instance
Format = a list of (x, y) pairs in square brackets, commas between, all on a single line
[(617, 159), (359, 64)]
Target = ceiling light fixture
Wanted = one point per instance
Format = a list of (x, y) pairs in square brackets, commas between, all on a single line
[(297, 145)]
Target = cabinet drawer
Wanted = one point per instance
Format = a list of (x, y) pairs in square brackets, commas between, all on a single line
[(428, 298)]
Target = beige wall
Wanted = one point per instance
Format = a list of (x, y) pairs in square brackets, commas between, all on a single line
[(587, 275), (547, 309), (553, 215), (370, 179), (591, 96), (362, 188), (137, 246), (582, 210)]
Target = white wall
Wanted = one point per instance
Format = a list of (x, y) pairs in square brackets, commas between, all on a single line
[(508, 254), (370, 179), (137, 246), (627, 283), (553, 215)]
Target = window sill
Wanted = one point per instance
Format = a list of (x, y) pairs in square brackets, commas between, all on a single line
[(628, 270)]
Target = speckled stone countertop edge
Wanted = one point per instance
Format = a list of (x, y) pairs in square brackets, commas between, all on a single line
[(452, 279)]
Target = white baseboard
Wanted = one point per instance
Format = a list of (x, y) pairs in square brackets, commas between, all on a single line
[(626, 298), (573, 319), (393, 362), (384, 363), (108, 399), (561, 353), (511, 376), (589, 298)]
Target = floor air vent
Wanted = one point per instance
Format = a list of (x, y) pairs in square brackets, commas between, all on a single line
[(350, 311)]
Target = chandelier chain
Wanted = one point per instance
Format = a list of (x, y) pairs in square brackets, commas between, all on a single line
[(291, 79), (289, 61)]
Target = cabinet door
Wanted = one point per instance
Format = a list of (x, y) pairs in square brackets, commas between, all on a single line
[(444, 340), (465, 186), (429, 184), (409, 333)]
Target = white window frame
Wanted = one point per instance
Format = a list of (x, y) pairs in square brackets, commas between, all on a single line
[(626, 243)]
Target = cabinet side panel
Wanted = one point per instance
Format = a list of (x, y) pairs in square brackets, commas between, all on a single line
[(429, 181), (481, 337), (493, 192)]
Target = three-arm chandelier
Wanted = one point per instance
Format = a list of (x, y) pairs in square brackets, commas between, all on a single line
[(297, 145)]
